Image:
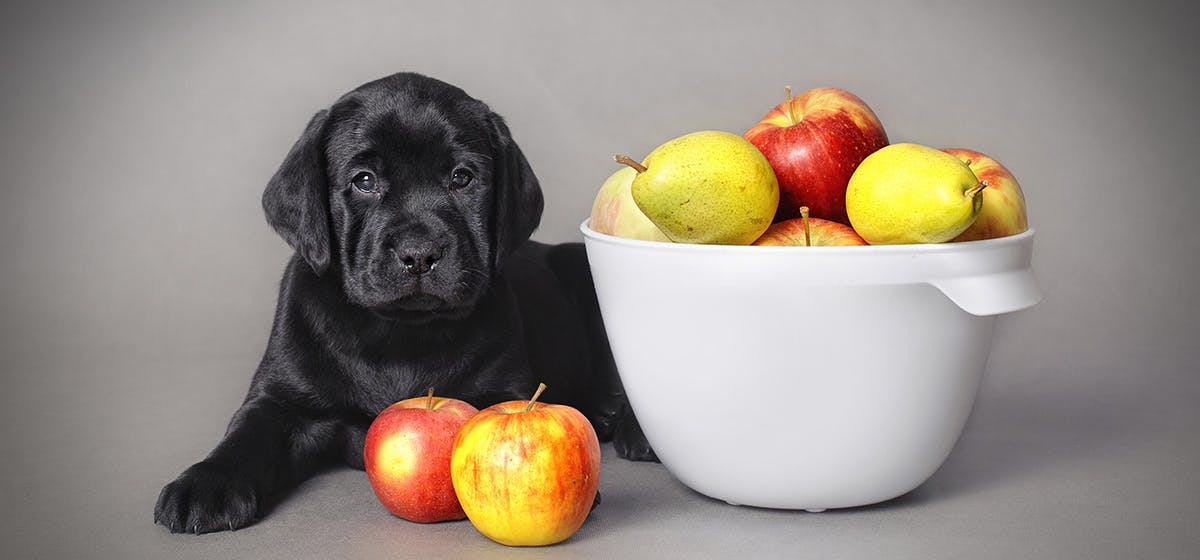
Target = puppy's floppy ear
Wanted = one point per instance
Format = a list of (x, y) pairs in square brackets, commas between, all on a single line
[(517, 193), (296, 199)]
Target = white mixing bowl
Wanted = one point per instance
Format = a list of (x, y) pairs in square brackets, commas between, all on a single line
[(805, 377)]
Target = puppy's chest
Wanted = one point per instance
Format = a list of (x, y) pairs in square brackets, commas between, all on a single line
[(377, 381)]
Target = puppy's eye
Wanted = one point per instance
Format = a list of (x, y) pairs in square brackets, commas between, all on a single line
[(461, 178), (364, 182)]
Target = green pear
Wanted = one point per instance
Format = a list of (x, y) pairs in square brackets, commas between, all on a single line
[(708, 187), (909, 193)]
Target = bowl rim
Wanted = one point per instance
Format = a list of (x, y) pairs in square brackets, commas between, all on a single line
[(849, 250)]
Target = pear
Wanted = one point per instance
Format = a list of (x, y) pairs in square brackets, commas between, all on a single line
[(909, 193), (709, 187)]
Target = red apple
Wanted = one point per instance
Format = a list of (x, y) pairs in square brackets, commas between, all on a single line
[(814, 142), (407, 457), (526, 472), (1003, 211), (811, 232)]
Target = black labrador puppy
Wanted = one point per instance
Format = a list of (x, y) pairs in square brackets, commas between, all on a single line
[(410, 209)]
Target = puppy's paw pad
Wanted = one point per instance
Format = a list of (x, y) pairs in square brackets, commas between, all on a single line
[(206, 498)]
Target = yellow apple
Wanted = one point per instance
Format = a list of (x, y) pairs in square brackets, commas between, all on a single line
[(614, 212), (1003, 211), (526, 473)]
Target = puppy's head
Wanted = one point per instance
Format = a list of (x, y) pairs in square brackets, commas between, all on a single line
[(409, 190)]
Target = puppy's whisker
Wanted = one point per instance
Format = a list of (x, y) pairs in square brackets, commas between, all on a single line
[(475, 271)]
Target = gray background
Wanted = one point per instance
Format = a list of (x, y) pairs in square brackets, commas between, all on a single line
[(139, 277)]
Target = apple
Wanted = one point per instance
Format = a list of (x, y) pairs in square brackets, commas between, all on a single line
[(1003, 211), (810, 232), (614, 212), (407, 457), (814, 142), (527, 472)]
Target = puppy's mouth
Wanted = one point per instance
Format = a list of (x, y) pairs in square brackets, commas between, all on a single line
[(417, 308), (418, 302)]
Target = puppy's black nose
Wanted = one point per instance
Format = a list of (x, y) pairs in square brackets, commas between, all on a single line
[(418, 257)]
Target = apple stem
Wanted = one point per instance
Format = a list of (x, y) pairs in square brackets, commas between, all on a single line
[(635, 164), (538, 393), (807, 231), (975, 190), (429, 405), (791, 114)]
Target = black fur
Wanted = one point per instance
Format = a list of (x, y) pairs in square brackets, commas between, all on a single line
[(416, 282)]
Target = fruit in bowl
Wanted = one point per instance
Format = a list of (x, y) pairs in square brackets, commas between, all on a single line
[(1003, 211), (824, 151), (814, 142), (710, 187), (909, 193)]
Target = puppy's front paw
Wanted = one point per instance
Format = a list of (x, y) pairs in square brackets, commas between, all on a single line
[(205, 498), (629, 440)]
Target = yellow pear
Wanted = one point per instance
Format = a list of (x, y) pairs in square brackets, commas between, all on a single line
[(709, 187), (909, 193)]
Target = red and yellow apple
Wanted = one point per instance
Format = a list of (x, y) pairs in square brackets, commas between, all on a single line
[(814, 142), (614, 212), (1003, 211), (809, 232), (527, 472), (407, 457)]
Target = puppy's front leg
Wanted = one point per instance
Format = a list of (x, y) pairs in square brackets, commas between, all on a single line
[(268, 448)]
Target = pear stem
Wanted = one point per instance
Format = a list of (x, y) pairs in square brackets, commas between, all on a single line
[(635, 164), (975, 190), (538, 393), (429, 405), (807, 231)]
